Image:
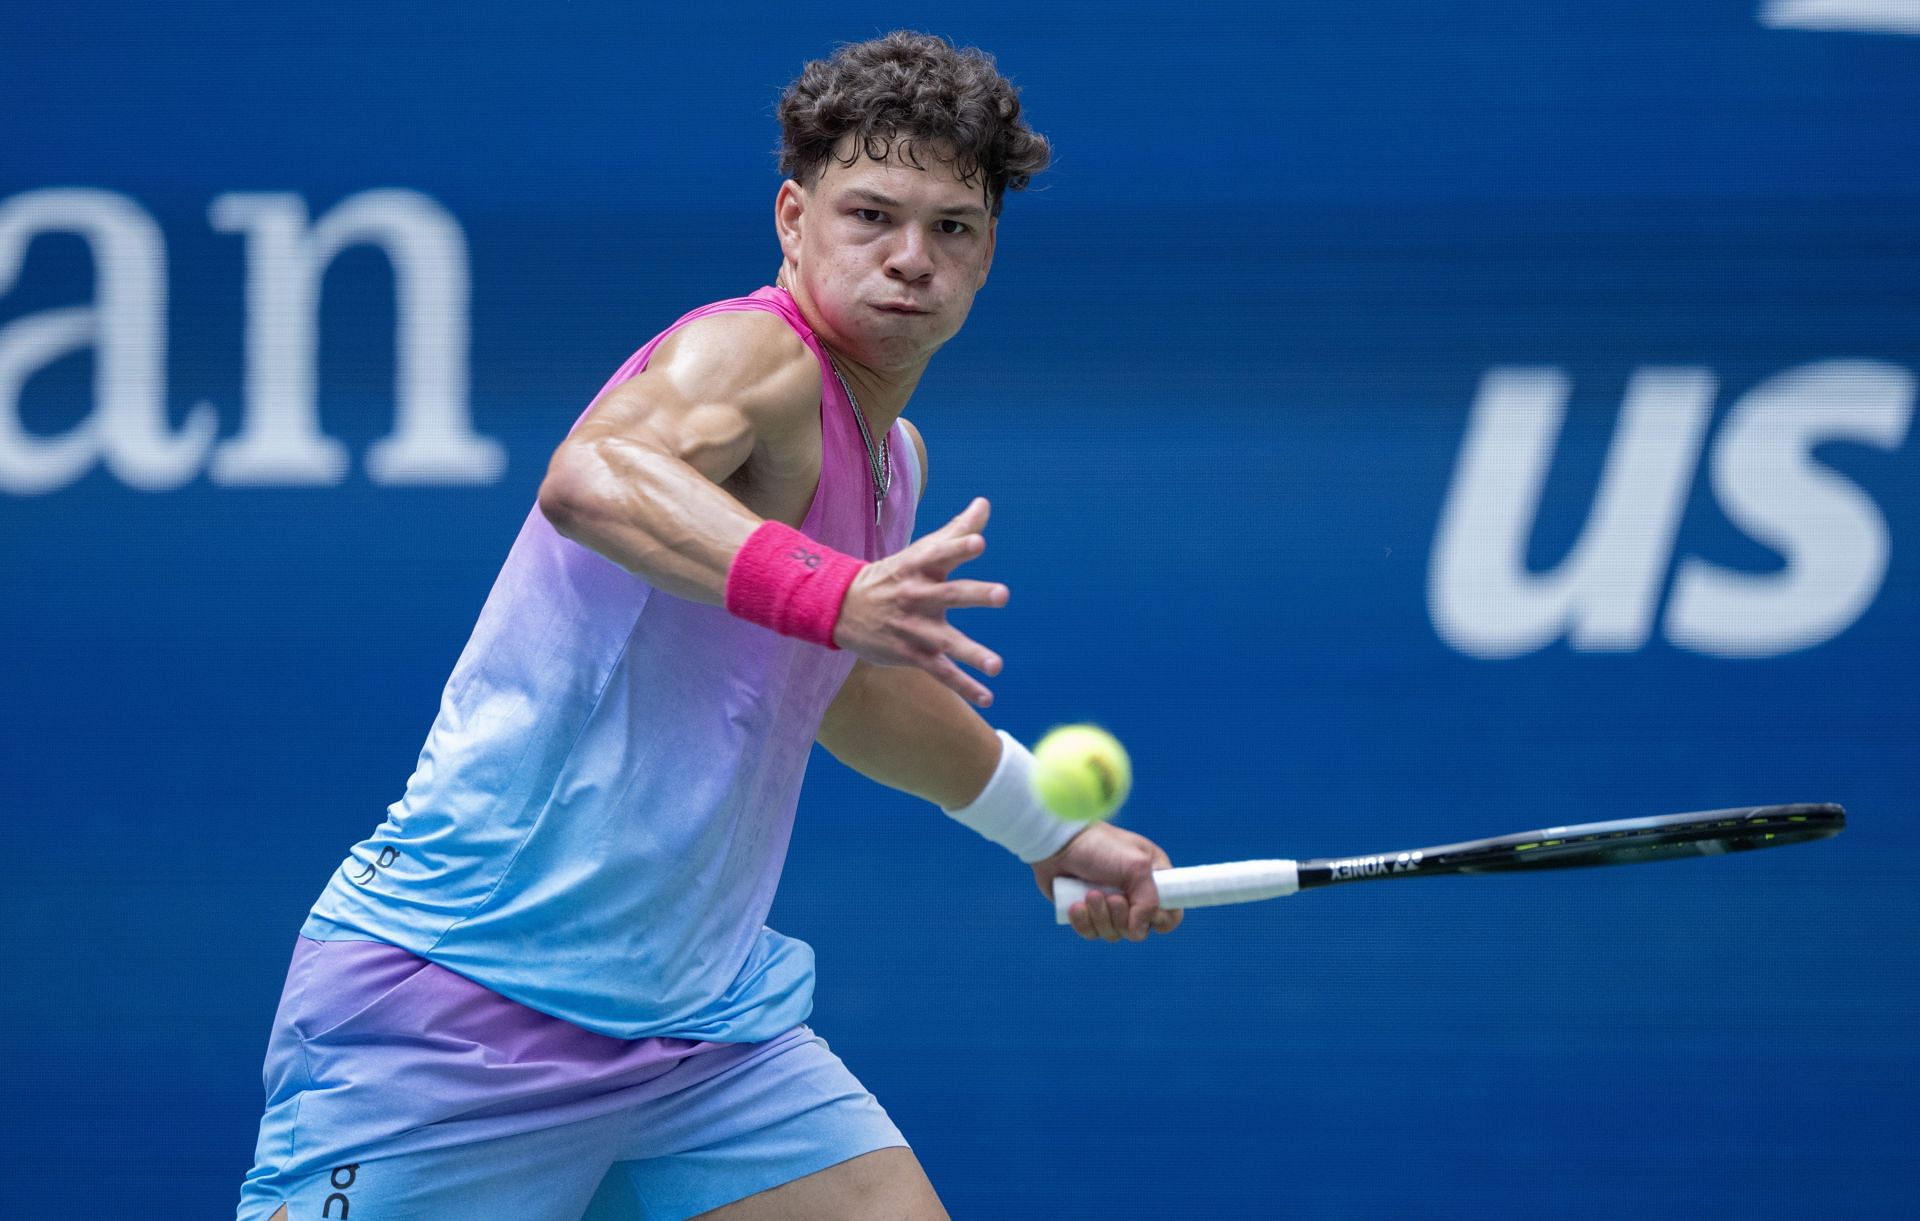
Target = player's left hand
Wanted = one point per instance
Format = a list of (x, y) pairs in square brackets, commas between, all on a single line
[(1121, 864)]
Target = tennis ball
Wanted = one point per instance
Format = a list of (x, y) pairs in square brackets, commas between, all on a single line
[(1081, 772)]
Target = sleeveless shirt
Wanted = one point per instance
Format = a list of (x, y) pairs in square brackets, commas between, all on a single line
[(601, 811)]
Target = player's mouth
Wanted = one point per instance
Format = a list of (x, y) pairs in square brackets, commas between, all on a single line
[(899, 307)]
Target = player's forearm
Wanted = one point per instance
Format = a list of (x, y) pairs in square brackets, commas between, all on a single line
[(649, 512), (906, 730)]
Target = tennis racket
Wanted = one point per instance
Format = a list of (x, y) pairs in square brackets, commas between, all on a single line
[(1626, 841)]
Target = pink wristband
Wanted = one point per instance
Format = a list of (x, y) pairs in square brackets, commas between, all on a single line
[(783, 580)]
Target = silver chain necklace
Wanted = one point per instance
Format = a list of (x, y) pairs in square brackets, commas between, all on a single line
[(879, 458)]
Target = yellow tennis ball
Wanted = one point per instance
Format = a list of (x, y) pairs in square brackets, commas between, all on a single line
[(1081, 772)]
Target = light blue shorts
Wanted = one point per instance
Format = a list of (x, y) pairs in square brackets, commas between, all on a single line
[(398, 1089)]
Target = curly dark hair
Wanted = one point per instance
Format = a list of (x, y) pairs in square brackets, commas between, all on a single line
[(915, 92)]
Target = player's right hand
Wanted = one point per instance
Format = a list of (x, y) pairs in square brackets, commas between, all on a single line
[(1119, 863), (895, 612)]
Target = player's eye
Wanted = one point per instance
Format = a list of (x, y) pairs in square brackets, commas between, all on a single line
[(953, 227), (872, 216)]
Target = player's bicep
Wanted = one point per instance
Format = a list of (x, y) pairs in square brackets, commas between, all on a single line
[(715, 438)]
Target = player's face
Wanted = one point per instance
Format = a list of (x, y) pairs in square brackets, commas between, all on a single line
[(886, 257)]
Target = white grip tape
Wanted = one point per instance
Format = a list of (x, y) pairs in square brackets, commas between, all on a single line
[(1199, 885)]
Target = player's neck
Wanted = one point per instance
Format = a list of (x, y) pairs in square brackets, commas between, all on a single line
[(882, 394)]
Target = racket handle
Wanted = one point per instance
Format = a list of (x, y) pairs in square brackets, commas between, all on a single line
[(1199, 885)]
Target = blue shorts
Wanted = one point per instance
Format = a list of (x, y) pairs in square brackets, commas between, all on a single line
[(398, 1089)]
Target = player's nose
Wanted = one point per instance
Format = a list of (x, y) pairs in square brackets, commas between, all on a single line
[(910, 257)]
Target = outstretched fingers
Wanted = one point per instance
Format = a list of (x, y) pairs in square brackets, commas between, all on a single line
[(950, 651), (939, 554), (895, 612), (970, 520), (932, 559), (960, 595), (967, 651), (960, 539), (966, 685)]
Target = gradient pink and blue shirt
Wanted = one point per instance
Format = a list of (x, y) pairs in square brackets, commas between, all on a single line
[(601, 812)]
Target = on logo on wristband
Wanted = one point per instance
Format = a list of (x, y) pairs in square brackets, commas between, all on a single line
[(783, 580)]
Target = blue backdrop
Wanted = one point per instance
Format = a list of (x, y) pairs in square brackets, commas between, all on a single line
[(1404, 423)]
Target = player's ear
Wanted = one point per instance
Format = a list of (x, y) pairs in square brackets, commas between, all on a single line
[(789, 211)]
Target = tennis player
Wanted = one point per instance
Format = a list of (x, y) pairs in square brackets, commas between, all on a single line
[(542, 988)]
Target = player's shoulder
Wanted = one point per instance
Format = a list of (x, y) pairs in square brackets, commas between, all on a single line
[(919, 453), (750, 358)]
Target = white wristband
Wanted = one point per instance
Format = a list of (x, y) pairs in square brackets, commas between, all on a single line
[(1008, 813)]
